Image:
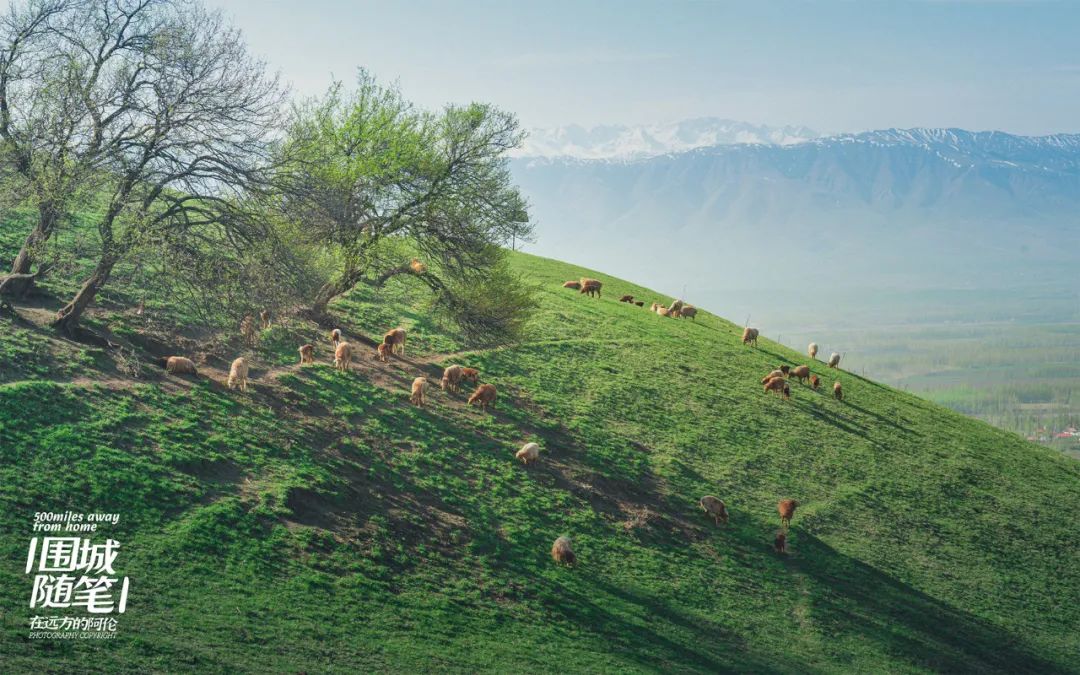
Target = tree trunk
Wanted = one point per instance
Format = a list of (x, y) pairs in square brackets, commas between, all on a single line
[(332, 289), (67, 319), (47, 219)]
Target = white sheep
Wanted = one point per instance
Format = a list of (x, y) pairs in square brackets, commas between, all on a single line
[(238, 373), (529, 452)]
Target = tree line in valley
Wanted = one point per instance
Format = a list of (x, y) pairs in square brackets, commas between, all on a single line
[(150, 124)]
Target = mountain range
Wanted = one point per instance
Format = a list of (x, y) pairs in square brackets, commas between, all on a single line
[(945, 208), (621, 142)]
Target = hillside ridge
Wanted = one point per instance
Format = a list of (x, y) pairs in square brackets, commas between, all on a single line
[(412, 538)]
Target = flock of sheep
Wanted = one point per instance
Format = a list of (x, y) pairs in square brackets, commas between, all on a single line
[(775, 382), (393, 344)]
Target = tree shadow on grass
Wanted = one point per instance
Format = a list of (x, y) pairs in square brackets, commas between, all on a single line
[(908, 624)]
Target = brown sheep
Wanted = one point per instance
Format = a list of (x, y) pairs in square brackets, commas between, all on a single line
[(834, 360), (786, 507), (802, 373), (247, 329), (749, 336), (688, 312), (238, 373), (773, 375), (561, 552), (417, 267), (576, 285), (419, 386), (639, 303), (335, 336), (676, 306), (675, 313), (470, 375), (383, 352), (343, 357), (307, 354), (837, 391), (591, 286), (778, 385), (815, 381), (264, 318), (484, 396), (529, 452), (715, 508), (396, 339), (780, 543), (451, 378), (812, 350), (179, 365), (626, 298), (663, 311)]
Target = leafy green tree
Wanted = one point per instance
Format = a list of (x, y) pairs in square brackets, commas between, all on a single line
[(373, 180)]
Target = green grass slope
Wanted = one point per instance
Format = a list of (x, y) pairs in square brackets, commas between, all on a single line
[(320, 523)]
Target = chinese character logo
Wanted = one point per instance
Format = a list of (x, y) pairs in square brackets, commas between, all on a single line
[(91, 583)]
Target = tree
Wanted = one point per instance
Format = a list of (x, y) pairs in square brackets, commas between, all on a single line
[(69, 72), (192, 134), (372, 178)]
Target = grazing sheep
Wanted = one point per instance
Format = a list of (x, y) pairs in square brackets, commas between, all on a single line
[(676, 306), (688, 312), (396, 339), (343, 356), (663, 311), (417, 267), (419, 386), (815, 381), (812, 350), (238, 373), (749, 336), (773, 375), (307, 354), (451, 378), (626, 298), (639, 303), (802, 373), (484, 396), (561, 552), (576, 285), (591, 286), (778, 385), (786, 507), (470, 375), (529, 452), (247, 329), (179, 365), (264, 318), (837, 391), (335, 336), (715, 508), (780, 543), (383, 352), (834, 360)]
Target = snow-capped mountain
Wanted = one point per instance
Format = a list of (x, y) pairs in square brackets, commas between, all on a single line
[(618, 142), (945, 207)]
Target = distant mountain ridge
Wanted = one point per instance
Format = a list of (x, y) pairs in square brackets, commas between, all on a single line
[(621, 142), (943, 207)]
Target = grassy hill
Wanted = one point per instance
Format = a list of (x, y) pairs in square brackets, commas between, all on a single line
[(320, 523)]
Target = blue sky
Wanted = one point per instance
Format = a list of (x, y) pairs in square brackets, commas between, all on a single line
[(832, 66)]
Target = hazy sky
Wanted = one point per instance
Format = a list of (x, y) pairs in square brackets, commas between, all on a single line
[(833, 66)]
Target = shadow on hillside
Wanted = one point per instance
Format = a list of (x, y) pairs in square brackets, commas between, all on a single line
[(706, 646), (908, 624)]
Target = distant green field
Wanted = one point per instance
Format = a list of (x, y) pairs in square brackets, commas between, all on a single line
[(1009, 357), (320, 523)]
